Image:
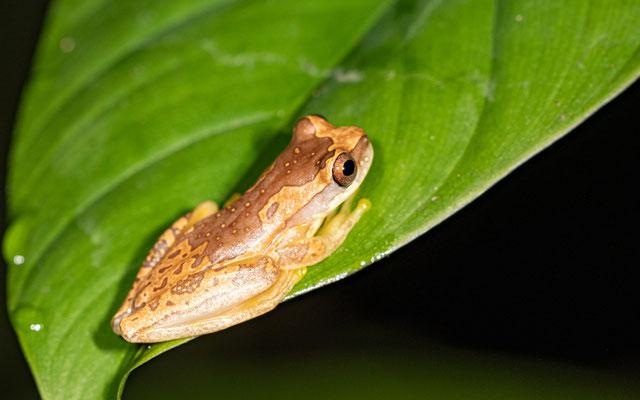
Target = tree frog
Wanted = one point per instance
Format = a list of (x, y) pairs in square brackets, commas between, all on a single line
[(214, 268)]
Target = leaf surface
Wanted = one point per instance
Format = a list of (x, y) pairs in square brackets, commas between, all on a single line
[(138, 111)]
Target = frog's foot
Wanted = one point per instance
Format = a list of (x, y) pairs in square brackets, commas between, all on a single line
[(334, 231), (232, 199), (159, 249), (199, 213), (339, 224)]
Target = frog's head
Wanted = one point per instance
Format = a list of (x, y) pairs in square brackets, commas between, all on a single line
[(338, 160)]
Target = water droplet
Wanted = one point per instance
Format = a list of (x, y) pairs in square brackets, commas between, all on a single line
[(18, 259), (28, 319), (67, 44), (363, 263)]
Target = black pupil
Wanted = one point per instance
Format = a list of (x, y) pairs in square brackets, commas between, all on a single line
[(348, 168)]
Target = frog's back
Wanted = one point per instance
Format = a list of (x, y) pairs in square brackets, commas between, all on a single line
[(245, 228)]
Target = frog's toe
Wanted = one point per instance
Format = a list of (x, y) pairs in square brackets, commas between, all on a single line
[(201, 212), (204, 210), (231, 200), (346, 218)]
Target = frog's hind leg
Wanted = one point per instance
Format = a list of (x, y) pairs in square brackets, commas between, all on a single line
[(159, 249), (252, 307), (265, 301), (254, 273)]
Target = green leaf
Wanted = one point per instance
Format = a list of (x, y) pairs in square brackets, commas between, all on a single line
[(138, 111)]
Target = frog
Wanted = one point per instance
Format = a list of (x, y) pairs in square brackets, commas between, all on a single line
[(216, 267)]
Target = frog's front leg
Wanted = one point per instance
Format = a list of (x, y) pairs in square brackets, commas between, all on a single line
[(159, 249), (311, 250)]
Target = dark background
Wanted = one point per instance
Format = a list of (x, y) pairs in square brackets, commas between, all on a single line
[(542, 266)]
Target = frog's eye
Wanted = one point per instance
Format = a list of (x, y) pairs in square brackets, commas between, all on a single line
[(344, 169)]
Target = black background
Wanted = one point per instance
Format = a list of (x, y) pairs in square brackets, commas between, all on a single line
[(542, 265)]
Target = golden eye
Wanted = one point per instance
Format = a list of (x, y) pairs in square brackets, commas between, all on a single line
[(345, 169)]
